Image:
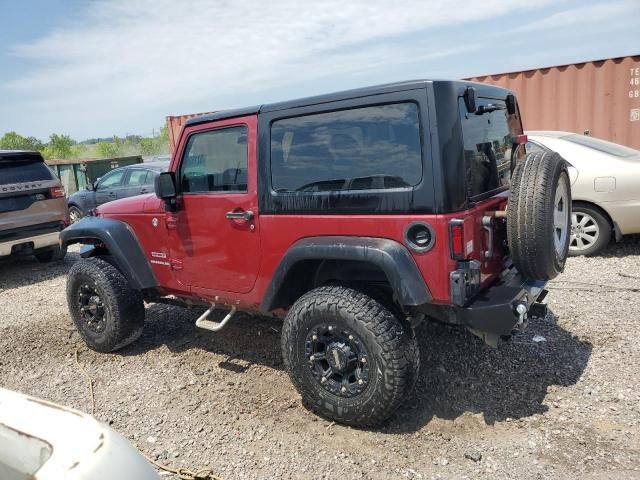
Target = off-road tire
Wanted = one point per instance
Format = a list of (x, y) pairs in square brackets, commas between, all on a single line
[(52, 254), (604, 230), (123, 306), (393, 349), (530, 215)]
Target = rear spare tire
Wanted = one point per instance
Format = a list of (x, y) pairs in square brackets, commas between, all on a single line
[(539, 215)]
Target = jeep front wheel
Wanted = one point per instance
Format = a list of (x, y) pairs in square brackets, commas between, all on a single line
[(107, 312), (348, 356)]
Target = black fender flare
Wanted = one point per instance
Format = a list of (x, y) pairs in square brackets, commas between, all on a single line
[(122, 243), (390, 256)]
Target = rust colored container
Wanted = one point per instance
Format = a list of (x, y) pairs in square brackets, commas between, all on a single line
[(599, 97), (175, 124)]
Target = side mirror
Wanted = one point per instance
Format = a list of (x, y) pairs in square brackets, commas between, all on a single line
[(165, 186), (470, 99)]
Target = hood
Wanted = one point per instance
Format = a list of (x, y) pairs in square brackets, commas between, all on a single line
[(125, 205)]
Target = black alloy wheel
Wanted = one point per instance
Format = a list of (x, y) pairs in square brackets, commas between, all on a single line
[(91, 308), (338, 360)]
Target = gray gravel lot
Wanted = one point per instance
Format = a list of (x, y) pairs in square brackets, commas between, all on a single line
[(564, 407)]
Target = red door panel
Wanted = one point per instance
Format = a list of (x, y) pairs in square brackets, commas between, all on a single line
[(208, 249)]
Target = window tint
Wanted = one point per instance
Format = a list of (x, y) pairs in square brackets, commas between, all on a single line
[(488, 140), (112, 179), (363, 148), (138, 178), (20, 171), (216, 161)]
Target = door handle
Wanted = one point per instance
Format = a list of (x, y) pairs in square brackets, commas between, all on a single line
[(246, 216)]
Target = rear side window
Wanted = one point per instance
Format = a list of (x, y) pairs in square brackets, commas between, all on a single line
[(21, 171), (216, 161), (488, 139), (112, 179), (365, 148), (138, 177)]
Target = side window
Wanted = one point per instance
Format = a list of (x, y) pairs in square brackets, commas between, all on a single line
[(112, 179), (374, 147), (138, 178), (488, 141), (151, 177), (215, 161)]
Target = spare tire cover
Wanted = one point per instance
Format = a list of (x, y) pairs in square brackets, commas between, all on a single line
[(539, 215)]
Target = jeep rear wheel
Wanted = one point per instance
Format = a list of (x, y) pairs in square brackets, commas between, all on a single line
[(107, 313), (539, 215), (348, 356)]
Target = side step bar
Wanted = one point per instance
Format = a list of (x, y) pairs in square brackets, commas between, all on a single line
[(204, 322)]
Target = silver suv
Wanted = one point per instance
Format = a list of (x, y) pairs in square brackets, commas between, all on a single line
[(33, 207)]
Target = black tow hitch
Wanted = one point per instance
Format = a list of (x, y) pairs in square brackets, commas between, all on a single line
[(538, 310)]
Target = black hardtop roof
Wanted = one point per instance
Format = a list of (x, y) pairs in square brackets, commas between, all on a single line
[(336, 96), (20, 154)]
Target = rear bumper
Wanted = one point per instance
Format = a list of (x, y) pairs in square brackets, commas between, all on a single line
[(494, 311), (29, 239)]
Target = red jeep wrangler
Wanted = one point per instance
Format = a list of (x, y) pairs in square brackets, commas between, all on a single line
[(355, 216)]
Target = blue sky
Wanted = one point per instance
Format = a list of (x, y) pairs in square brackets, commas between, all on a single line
[(99, 68)]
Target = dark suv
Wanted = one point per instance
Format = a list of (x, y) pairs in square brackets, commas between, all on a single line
[(33, 207), (121, 182), (354, 216)]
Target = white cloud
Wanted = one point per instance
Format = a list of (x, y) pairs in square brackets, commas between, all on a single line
[(584, 16), (123, 58)]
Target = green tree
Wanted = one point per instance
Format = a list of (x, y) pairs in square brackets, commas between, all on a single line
[(147, 146), (15, 141), (59, 146), (109, 149), (79, 151)]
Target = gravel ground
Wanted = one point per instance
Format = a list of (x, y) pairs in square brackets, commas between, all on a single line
[(561, 399)]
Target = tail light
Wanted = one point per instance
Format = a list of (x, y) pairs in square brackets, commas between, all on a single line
[(56, 192), (456, 239)]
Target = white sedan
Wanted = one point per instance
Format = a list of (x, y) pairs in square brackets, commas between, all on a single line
[(605, 187)]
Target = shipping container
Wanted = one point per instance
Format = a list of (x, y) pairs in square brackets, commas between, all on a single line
[(600, 98), (174, 127), (76, 174)]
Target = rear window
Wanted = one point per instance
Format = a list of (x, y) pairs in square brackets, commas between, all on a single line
[(374, 147), (602, 145), (21, 171), (487, 146)]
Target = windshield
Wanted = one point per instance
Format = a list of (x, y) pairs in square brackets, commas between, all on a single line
[(488, 136), (20, 171), (602, 145)]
